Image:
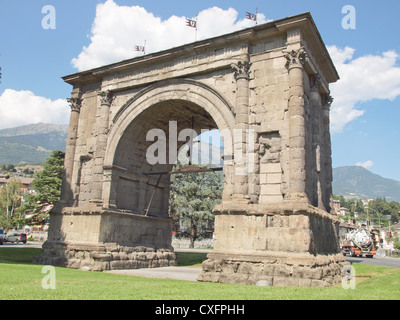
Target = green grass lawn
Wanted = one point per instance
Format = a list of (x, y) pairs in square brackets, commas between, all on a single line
[(21, 280)]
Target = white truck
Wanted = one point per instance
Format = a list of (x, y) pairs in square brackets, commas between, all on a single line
[(358, 243)]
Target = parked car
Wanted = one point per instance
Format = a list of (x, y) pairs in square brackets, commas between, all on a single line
[(16, 237), (1, 236)]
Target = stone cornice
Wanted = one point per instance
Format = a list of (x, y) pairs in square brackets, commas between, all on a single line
[(251, 35)]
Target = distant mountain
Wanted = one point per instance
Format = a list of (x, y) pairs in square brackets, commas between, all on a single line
[(355, 181), (202, 154), (37, 128), (31, 143)]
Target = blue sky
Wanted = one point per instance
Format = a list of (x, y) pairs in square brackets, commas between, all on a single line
[(365, 112)]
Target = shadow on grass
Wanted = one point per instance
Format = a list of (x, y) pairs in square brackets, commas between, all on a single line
[(19, 255), (191, 259)]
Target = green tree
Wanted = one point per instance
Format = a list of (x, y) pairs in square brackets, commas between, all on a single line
[(380, 210), (394, 211), (396, 243), (28, 171), (11, 204), (47, 184), (192, 199), (351, 205), (359, 207), (8, 168)]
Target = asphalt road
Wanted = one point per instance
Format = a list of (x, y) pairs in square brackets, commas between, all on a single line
[(377, 261), (21, 245)]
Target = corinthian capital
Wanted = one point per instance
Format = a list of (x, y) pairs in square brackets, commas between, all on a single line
[(242, 69), (106, 97), (315, 82), (75, 104), (327, 100), (295, 58)]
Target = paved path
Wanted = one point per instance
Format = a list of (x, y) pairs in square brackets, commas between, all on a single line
[(178, 273), (21, 245)]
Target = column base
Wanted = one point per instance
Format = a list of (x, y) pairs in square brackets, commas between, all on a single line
[(106, 240), (286, 244), (101, 257), (274, 269)]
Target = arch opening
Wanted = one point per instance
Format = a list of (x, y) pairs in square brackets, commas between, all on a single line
[(150, 145)]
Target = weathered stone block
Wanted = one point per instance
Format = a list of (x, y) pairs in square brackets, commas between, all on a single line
[(74, 263), (270, 189), (101, 256), (208, 265), (320, 283), (271, 198), (141, 256), (151, 255), (274, 178), (270, 168), (164, 262), (115, 256), (117, 265), (123, 256), (100, 266), (132, 256), (269, 269), (131, 264)]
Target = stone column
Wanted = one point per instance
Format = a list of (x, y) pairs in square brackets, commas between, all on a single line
[(109, 190), (317, 139), (102, 124), (297, 125), (326, 152), (66, 188), (240, 151)]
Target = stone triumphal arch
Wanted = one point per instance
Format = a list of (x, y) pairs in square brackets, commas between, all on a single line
[(275, 221)]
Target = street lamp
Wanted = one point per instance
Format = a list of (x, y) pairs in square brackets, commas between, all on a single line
[(390, 236), (379, 215)]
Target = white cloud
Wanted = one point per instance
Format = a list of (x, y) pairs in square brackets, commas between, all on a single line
[(366, 164), (19, 108), (362, 79), (118, 29)]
